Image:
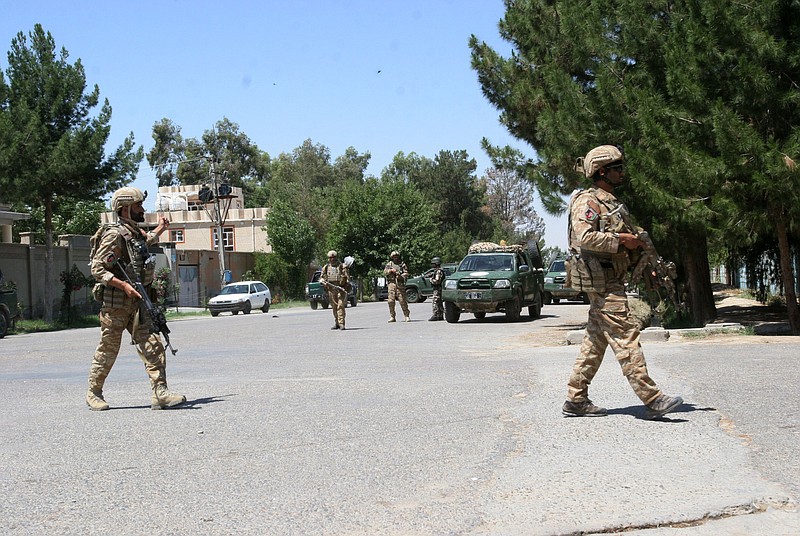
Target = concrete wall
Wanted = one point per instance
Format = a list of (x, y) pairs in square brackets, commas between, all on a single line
[(24, 265)]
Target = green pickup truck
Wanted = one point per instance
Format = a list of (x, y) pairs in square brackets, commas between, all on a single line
[(318, 296), (496, 278), (419, 288)]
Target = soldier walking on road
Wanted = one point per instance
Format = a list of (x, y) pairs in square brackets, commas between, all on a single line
[(599, 261), (335, 279), (396, 273), (116, 247), (437, 278)]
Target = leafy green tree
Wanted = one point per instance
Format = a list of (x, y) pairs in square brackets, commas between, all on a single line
[(293, 240), (371, 220), (449, 185), (51, 147), (235, 158)]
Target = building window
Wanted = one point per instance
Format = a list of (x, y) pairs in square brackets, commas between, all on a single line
[(227, 238), (176, 235), (195, 205)]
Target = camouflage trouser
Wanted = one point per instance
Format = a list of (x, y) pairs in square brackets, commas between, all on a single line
[(113, 322), (338, 300), (610, 324), (436, 304), (397, 292)]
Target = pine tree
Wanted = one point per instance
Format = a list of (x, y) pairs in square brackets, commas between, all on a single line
[(51, 149), (700, 95)]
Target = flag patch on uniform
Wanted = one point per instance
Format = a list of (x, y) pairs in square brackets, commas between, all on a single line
[(590, 214)]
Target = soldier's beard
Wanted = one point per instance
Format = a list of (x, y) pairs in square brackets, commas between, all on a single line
[(138, 217)]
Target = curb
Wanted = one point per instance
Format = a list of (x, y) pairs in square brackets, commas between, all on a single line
[(658, 334)]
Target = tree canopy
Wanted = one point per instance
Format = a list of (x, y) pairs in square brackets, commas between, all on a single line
[(52, 149), (702, 96)]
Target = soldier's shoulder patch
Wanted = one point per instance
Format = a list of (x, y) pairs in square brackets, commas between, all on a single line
[(590, 214)]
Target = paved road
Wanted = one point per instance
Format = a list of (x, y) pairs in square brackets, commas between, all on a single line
[(419, 428)]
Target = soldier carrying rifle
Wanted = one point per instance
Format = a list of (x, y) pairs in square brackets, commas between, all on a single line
[(600, 246), (120, 257)]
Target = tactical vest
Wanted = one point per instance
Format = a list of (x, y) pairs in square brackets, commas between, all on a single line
[(135, 255), (591, 270), (395, 277)]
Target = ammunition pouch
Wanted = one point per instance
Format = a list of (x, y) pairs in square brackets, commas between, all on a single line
[(98, 291)]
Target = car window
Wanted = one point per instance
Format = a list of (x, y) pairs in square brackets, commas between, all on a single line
[(234, 289), (315, 277), (261, 287)]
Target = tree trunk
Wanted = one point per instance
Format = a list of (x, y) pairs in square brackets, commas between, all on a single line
[(787, 275), (700, 297), (48, 260)]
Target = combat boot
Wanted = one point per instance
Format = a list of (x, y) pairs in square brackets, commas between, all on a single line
[(164, 398), (95, 401), (662, 405), (407, 319), (434, 318), (582, 409), (392, 319)]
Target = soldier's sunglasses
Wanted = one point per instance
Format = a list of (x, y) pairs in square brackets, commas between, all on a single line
[(619, 167)]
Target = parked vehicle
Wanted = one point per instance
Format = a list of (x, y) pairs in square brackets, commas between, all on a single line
[(496, 278), (243, 296), (316, 295), (554, 289), (419, 288), (9, 311)]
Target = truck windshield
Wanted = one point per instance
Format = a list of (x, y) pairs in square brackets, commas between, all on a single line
[(490, 262)]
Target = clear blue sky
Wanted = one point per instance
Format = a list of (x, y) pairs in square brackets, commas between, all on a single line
[(381, 76)]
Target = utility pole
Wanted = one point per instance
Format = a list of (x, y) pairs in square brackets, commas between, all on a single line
[(219, 196)]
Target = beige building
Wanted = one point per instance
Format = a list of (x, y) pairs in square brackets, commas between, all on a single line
[(192, 221)]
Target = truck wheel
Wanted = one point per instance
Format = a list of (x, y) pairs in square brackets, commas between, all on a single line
[(451, 312), (353, 301), (548, 298), (585, 297), (412, 295), (325, 305), (313, 304), (480, 316), (556, 301), (4, 323), (214, 313), (513, 308)]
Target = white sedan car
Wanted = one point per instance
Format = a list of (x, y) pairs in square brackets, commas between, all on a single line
[(243, 296)]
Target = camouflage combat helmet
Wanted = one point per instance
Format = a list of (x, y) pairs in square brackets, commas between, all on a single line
[(436, 260), (126, 196), (597, 158), (332, 253), (395, 253)]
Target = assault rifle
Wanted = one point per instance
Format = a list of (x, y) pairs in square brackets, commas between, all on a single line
[(158, 322), (661, 273)]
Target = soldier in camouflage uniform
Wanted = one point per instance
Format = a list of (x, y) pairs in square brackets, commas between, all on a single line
[(437, 278), (335, 273), (113, 245), (599, 261), (396, 273)]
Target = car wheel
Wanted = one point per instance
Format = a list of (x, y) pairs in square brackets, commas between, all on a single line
[(214, 313), (451, 312), (556, 301), (247, 308), (265, 308), (4, 323), (513, 308), (480, 316), (412, 295), (314, 304)]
